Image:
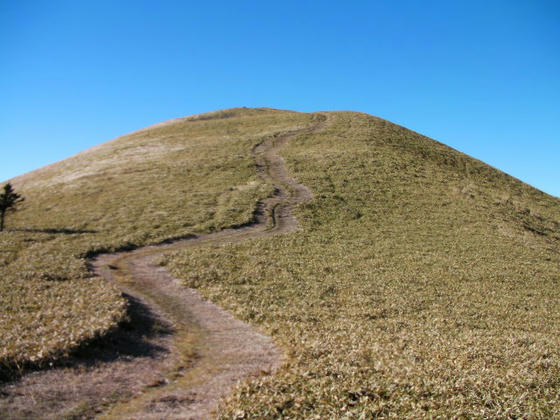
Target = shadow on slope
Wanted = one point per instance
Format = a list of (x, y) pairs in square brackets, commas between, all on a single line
[(131, 339), (64, 231)]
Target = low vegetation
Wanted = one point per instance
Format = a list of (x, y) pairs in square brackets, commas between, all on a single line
[(423, 283), (190, 175)]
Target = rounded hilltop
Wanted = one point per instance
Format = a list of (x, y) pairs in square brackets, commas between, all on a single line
[(422, 282)]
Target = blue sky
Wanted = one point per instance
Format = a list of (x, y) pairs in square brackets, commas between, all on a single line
[(483, 77)]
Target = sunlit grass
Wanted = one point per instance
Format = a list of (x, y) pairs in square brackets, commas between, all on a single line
[(193, 175), (423, 284)]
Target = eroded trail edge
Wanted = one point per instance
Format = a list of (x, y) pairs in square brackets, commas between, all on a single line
[(225, 350)]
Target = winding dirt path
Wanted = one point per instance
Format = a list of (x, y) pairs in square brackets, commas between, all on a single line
[(181, 354), (229, 349)]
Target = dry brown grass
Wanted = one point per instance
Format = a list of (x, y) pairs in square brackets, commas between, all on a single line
[(423, 284), (189, 175)]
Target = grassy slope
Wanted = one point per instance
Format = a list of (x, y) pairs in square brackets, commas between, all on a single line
[(422, 283), (422, 280), (193, 175)]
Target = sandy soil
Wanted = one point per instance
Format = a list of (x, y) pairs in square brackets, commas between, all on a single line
[(178, 354)]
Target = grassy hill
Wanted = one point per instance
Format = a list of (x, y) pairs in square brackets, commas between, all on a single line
[(422, 283), (189, 175)]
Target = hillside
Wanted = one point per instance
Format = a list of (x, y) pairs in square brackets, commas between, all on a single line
[(190, 175), (422, 281)]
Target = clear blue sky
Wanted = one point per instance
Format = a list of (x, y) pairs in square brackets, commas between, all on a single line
[(480, 76)]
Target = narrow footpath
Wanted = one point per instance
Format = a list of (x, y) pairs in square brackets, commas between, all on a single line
[(181, 354)]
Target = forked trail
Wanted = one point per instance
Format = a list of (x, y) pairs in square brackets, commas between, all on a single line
[(225, 349)]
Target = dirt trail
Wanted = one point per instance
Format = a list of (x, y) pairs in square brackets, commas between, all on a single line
[(192, 352)]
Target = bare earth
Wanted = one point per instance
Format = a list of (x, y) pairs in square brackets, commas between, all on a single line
[(179, 354)]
